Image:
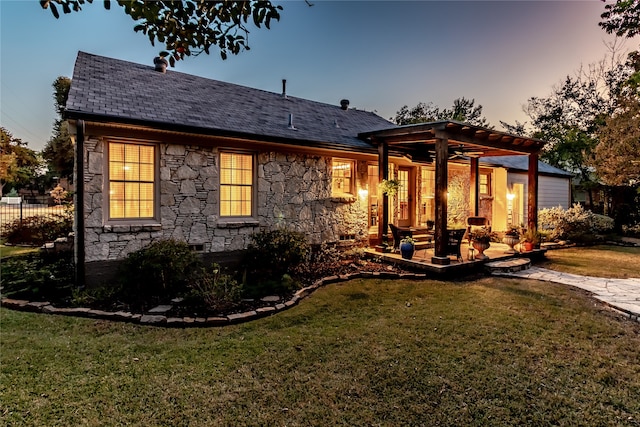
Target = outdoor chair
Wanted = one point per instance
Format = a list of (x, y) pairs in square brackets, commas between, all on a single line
[(454, 240), (397, 236)]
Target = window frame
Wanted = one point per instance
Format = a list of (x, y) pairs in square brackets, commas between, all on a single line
[(253, 191), (106, 202), (487, 174), (352, 178)]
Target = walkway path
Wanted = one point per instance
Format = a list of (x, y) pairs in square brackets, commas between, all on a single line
[(621, 294)]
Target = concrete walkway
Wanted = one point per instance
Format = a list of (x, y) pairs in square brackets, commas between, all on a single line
[(621, 294)]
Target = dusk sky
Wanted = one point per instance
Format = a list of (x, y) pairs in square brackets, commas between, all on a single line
[(380, 55)]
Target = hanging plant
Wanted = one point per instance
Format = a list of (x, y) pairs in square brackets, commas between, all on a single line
[(390, 187)]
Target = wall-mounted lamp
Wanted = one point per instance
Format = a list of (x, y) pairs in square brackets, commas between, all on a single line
[(510, 196), (363, 193)]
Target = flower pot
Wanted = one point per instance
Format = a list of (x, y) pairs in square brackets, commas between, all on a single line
[(481, 247), (510, 241), (528, 246), (407, 250)]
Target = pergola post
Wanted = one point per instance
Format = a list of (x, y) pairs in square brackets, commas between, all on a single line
[(475, 185), (532, 199), (383, 199), (442, 173)]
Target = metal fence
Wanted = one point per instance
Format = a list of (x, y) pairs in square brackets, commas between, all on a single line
[(19, 211)]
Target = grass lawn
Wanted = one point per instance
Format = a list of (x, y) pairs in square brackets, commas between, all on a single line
[(598, 261), (494, 351), (7, 251)]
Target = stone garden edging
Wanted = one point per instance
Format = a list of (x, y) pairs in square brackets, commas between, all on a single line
[(152, 319)]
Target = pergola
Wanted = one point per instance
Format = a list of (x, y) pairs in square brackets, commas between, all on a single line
[(435, 142)]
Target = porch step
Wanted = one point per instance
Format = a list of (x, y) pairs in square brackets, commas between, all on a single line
[(508, 266)]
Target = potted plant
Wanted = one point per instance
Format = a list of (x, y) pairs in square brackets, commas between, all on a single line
[(481, 240), (530, 239), (511, 238), (407, 247), (389, 187)]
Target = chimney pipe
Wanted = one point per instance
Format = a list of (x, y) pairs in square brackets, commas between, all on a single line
[(161, 64), (291, 126), (344, 104), (284, 88)]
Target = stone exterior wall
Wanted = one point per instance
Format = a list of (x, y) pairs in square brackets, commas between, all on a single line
[(293, 192)]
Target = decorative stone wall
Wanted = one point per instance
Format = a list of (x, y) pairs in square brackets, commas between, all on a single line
[(293, 192)]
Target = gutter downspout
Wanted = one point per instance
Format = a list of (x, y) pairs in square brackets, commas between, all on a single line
[(79, 250)]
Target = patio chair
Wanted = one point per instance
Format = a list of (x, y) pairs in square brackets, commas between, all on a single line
[(454, 240), (397, 236)]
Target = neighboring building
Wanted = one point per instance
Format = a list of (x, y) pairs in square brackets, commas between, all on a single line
[(171, 155), (510, 176)]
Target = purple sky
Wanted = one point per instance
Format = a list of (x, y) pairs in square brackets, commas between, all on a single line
[(380, 55)]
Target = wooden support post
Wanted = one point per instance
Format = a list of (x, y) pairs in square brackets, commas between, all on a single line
[(532, 206), (442, 177), (383, 173), (475, 186)]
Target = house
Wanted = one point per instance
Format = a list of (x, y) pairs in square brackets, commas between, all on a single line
[(171, 155)]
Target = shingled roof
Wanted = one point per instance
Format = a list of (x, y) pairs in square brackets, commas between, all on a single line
[(521, 163), (114, 91)]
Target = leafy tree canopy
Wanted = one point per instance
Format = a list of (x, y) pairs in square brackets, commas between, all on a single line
[(463, 110), (58, 153), (18, 163), (622, 18), (188, 27)]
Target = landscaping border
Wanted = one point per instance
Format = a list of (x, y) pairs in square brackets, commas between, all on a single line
[(152, 319)]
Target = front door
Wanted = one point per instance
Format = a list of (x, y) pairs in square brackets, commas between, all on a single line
[(405, 198)]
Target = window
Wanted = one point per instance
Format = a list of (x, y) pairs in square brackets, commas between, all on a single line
[(131, 181), (485, 184), (342, 177), (236, 184)]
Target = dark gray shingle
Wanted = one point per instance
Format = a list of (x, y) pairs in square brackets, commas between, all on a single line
[(123, 91)]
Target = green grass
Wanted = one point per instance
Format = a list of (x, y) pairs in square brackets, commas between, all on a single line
[(9, 251), (598, 261), (495, 351)]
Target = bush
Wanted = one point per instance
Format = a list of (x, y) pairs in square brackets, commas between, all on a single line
[(270, 256), (37, 277), (161, 270), (37, 230), (277, 252), (215, 290), (575, 223)]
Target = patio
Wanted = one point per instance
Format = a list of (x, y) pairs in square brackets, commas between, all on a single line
[(422, 259)]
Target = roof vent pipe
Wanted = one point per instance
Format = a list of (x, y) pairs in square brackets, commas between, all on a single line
[(160, 63), (291, 126), (284, 88), (344, 104)]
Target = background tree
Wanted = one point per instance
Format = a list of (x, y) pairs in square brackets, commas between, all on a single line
[(58, 152), (463, 110), (189, 27), (19, 165), (622, 18)]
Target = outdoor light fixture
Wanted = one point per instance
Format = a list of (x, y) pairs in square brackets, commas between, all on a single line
[(510, 196), (363, 193)]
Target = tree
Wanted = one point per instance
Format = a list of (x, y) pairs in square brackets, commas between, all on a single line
[(617, 155), (58, 153), (463, 110), (19, 165), (189, 27), (622, 18)]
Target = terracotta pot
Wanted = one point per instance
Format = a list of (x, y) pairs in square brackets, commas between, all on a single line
[(528, 246)]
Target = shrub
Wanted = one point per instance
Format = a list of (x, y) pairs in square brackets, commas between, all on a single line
[(37, 230), (215, 290), (276, 252), (37, 276), (162, 270), (575, 223)]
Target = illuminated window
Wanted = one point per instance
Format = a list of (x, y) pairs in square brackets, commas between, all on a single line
[(342, 177), (236, 184), (131, 181), (485, 184)]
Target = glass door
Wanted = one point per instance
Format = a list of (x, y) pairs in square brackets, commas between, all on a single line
[(405, 197)]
